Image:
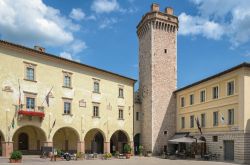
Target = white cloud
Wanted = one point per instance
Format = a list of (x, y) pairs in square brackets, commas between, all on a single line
[(33, 21), (217, 19), (77, 14), (77, 46), (190, 25), (107, 23), (105, 6), (66, 55)]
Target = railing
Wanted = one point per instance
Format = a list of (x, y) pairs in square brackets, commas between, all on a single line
[(37, 111)]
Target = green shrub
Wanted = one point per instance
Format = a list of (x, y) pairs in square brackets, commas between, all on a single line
[(59, 152), (127, 148), (140, 150), (107, 155), (116, 153), (16, 155)]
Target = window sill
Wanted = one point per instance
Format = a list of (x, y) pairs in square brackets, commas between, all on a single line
[(121, 119), (120, 97), (96, 117), (96, 92), (65, 114), (67, 87), (30, 80)]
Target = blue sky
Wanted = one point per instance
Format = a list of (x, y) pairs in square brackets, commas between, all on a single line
[(213, 36)]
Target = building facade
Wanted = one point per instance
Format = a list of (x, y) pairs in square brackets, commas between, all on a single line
[(46, 100), (220, 103), (157, 35)]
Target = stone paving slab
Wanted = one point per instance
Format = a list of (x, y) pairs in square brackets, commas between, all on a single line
[(31, 160)]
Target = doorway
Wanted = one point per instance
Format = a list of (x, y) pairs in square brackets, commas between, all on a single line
[(23, 141), (229, 150)]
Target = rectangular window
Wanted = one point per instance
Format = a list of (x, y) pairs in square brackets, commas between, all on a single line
[(137, 116), (215, 119), (231, 116), (95, 111), (203, 120), (30, 73), (67, 81), (191, 98), (202, 96), (182, 102), (67, 108), (182, 122), (215, 138), (215, 91), (96, 87), (120, 93), (230, 88), (30, 104), (120, 116), (191, 121)]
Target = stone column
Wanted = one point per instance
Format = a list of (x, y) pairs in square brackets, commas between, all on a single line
[(106, 147), (48, 144), (132, 147), (7, 149), (81, 146)]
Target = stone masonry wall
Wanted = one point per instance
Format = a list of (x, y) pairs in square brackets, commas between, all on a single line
[(163, 85), (145, 89)]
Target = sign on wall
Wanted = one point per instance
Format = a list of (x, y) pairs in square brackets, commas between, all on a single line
[(82, 103)]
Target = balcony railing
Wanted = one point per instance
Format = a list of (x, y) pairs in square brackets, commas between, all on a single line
[(37, 111)]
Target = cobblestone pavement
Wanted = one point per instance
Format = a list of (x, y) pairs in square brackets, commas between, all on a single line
[(133, 161)]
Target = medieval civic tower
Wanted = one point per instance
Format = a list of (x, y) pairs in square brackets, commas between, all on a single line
[(157, 33)]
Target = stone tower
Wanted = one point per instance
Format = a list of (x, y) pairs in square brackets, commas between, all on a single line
[(157, 33)]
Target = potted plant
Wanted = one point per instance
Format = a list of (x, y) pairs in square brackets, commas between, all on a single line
[(140, 150), (59, 154), (148, 153), (116, 154), (80, 156), (127, 151), (16, 157), (107, 156)]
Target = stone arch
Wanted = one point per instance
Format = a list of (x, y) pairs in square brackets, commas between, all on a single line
[(94, 141), (66, 139), (117, 141), (29, 139), (2, 138)]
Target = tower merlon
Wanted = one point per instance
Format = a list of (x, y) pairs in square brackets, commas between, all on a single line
[(160, 20), (155, 7), (169, 10)]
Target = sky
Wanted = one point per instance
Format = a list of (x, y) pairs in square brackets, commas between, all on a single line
[(213, 35)]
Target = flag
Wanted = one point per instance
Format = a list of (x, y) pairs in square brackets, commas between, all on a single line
[(54, 124), (198, 124), (47, 99), (222, 118), (13, 123), (19, 100)]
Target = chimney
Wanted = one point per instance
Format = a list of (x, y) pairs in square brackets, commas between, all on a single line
[(169, 10), (155, 7), (41, 49)]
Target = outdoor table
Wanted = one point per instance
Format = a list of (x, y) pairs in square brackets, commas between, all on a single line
[(121, 156), (207, 156)]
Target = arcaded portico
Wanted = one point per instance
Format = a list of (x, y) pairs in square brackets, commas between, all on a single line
[(77, 108)]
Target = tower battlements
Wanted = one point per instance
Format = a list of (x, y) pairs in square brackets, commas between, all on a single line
[(156, 19)]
